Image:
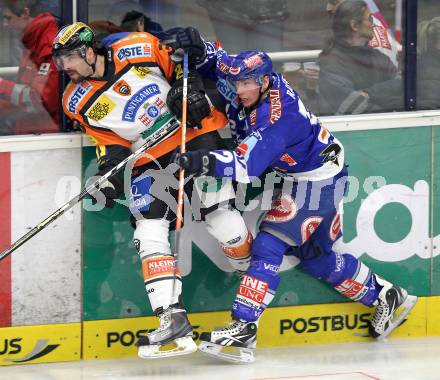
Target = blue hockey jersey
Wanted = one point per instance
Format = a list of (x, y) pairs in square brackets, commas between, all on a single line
[(278, 133)]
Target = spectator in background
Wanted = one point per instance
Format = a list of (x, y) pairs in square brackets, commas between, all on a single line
[(135, 21), (248, 25), (428, 64), (103, 29), (132, 21), (130, 16), (383, 38), (355, 78), (30, 103)]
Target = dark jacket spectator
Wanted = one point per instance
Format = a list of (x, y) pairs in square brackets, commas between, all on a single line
[(103, 29), (135, 21), (354, 78), (428, 64), (249, 25), (32, 101)]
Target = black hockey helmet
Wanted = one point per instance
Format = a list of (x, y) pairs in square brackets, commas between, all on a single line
[(77, 36)]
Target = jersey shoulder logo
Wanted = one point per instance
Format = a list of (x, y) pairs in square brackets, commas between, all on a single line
[(134, 51)]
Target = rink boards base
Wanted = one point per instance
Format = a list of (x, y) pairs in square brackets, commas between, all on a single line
[(280, 326), (40, 344)]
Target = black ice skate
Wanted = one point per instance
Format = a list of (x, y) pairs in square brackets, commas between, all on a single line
[(239, 334), (174, 328), (392, 306)]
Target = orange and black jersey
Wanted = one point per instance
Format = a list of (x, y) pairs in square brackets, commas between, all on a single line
[(120, 108)]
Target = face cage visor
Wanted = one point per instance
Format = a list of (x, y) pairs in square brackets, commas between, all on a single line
[(247, 84), (69, 58)]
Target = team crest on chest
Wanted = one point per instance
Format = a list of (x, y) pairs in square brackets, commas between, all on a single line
[(122, 88)]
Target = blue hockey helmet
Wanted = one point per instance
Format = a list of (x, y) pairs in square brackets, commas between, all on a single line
[(250, 64)]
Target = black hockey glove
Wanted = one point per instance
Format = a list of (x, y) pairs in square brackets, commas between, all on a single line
[(198, 106), (197, 162), (188, 39), (110, 190), (113, 188)]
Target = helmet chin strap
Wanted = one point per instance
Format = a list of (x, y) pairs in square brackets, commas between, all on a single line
[(262, 95), (92, 65)]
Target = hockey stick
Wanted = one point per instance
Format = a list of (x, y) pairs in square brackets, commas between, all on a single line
[(151, 141), (179, 214)]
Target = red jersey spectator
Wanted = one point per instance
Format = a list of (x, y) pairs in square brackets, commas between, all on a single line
[(32, 101)]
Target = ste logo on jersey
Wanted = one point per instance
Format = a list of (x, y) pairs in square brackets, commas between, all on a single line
[(134, 51), (79, 93), (225, 89)]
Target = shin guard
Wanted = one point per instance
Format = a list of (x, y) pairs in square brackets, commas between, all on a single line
[(260, 282), (151, 241)]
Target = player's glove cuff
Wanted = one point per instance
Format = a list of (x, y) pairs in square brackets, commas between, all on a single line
[(197, 162)]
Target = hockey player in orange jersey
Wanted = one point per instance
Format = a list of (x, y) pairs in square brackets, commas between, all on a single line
[(118, 95)]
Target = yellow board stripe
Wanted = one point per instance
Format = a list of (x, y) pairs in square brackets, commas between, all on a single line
[(40, 344), (279, 326)]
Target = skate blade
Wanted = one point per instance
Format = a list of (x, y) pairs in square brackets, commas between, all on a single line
[(243, 356), (399, 315), (181, 346)]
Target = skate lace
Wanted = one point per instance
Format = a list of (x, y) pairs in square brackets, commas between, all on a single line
[(165, 320), (381, 314), (234, 327)]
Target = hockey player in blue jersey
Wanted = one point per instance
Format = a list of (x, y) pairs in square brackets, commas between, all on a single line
[(274, 130)]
